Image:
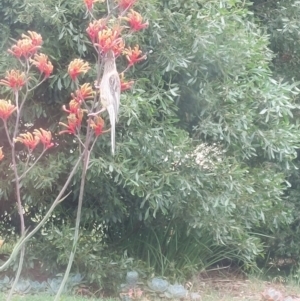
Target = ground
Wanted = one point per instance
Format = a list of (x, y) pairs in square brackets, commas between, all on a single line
[(219, 284), (227, 285)]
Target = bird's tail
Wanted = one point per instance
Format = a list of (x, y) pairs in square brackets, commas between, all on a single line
[(112, 119)]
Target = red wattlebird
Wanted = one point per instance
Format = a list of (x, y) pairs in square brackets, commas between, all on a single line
[(110, 90)]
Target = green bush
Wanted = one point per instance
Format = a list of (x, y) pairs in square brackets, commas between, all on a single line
[(205, 143)]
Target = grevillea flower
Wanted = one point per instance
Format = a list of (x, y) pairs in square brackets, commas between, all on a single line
[(95, 27), (134, 55), (74, 107), (14, 79), (97, 125), (125, 4), (28, 140), (6, 109), (118, 48), (27, 46), (90, 4), (135, 21), (74, 122), (43, 64), (44, 136), (109, 39), (76, 67), (84, 92), (124, 84), (35, 38)]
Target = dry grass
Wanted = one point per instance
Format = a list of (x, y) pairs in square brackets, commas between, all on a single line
[(222, 285)]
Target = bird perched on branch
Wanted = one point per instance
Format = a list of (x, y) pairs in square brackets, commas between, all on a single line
[(110, 90)]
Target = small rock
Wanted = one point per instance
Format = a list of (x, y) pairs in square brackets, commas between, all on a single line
[(132, 278), (195, 296), (271, 294), (177, 291), (289, 298), (158, 285)]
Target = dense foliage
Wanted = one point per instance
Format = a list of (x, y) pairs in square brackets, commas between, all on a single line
[(206, 144)]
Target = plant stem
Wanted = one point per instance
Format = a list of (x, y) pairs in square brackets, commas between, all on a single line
[(33, 164), (19, 202), (42, 222), (20, 265), (78, 217)]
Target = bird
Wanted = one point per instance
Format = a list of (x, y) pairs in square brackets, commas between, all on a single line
[(110, 90)]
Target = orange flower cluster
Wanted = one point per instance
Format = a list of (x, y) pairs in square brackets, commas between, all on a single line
[(110, 39), (74, 107), (94, 28), (124, 84), (6, 109), (28, 140), (76, 113), (83, 93), (134, 55), (31, 141), (74, 123), (90, 3), (74, 118), (43, 64), (126, 4), (105, 38), (44, 137), (27, 46), (135, 21), (14, 79), (77, 67), (97, 125)]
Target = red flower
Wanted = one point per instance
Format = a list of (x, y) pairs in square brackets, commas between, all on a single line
[(133, 55), (44, 136), (74, 122), (27, 46), (135, 21), (74, 107), (97, 125), (76, 67), (14, 79), (29, 140), (6, 109), (43, 64), (125, 85), (1, 154), (35, 38), (109, 39), (95, 27), (89, 4), (84, 92), (125, 4)]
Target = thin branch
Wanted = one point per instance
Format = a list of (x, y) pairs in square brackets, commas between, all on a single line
[(58, 199), (78, 216), (19, 202), (34, 87), (7, 133), (25, 172)]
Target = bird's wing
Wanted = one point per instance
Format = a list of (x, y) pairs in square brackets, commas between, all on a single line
[(115, 91), (112, 119)]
